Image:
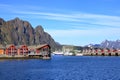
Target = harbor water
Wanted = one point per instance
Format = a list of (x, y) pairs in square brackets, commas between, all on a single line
[(62, 68)]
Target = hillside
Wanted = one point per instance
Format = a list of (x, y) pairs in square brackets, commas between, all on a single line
[(20, 32), (106, 44), (111, 44)]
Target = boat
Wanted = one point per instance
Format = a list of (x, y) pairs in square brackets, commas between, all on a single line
[(58, 53)]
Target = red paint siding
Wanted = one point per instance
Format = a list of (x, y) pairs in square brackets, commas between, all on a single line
[(23, 50), (11, 50)]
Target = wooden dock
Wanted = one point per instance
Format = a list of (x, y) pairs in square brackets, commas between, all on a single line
[(29, 56)]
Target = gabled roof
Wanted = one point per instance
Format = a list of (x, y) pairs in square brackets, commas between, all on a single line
[(7, 46), (38, 46), (41, 46)]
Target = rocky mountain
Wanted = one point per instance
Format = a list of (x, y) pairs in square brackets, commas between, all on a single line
[(106, 44), (111, 44), (20, 32)]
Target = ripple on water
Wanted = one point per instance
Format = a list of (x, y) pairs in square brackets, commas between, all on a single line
[(62, 68)]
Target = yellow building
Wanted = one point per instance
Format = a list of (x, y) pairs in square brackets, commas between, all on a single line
[(1, 51)]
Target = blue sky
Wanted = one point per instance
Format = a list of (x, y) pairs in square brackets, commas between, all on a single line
[(74, 22)]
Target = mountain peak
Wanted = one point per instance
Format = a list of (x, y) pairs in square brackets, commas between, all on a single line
[(39, 27), (111, 44), (17, 18), (1, 21), (21, 32)]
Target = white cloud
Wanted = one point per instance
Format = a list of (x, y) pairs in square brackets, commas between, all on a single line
[(93, 19), (4, 5), (97, 25), (87, 18), (89, 32), (83, 37)]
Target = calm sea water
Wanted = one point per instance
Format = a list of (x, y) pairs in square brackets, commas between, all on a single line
[(62, 68)]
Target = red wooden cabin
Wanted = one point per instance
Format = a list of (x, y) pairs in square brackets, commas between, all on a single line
[(96, 50), (11, 50), (23, 50), (44, 50)]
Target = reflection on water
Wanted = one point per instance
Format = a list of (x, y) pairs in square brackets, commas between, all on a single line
[(62, 68)]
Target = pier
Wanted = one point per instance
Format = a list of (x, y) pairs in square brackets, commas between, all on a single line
[(37, 56)]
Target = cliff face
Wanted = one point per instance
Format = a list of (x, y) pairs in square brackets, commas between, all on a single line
[(106, 44), (111, 44), (20, 32)]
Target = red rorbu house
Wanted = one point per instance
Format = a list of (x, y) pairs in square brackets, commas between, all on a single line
[(23, 50), (115, 51), (11, 50), (109, 52), (96, 51), (102, 52), (44, 50)]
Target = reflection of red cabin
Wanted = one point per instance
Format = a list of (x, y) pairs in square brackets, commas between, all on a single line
[(44, 50), (23, 50), (11, 50)]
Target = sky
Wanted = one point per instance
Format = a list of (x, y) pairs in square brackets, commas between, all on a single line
[(72, 22)]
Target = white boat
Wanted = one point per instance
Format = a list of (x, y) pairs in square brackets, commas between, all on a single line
[(79, 54), (58, 53)]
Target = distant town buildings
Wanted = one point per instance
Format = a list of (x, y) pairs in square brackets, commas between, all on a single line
[(71, 50), (101, 52), (89, 51)]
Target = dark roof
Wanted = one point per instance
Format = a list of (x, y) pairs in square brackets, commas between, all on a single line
[(41, 46), (38, 46)]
